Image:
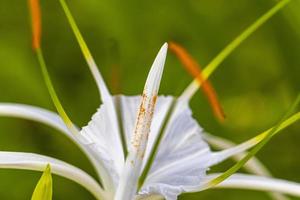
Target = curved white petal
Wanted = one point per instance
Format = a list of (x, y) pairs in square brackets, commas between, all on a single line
[(218, 157), (253, 166), (102, 135), (52, 119), (36, 114), (181, 158), (115, 158), (29, 161), (104, 92), (101, 139), (253, 182)]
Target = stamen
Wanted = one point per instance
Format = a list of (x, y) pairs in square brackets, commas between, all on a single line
[(195, 70), (266, 138), (105, 95), (61, 111), (214, 64), (36, 35), (36, 22)]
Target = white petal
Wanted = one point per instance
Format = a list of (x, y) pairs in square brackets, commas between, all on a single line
[(132, 169), (52, 119), (150, 197), (253, 165), (181, 158), (104, 92), (36, 114), (220, 156), (182, 153), (103, 135), (102, 139), (253, 182), (29, 161)]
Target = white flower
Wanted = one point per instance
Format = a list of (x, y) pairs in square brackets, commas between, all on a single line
[(128, 131), (180, 165)]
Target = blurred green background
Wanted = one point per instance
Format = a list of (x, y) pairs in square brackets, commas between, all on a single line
[(255, 84)]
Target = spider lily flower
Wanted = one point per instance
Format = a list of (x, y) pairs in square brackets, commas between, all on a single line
[(146, 146)]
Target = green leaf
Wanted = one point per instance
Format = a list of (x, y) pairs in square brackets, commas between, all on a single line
[(43, 189)]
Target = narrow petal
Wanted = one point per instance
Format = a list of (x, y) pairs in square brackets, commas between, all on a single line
[(36, 114), (227, 153), (128, 183), (52, 119), (253, 166), (213, 65), (253, 182), (29, 161)]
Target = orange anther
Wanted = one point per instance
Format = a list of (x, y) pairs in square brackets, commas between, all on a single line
[(195, 70), (34, 6)]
